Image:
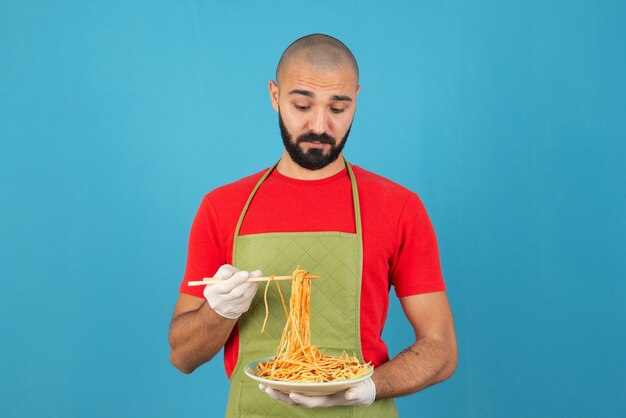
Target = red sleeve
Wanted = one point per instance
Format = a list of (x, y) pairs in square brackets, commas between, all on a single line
[(415, 267), (204, 253)]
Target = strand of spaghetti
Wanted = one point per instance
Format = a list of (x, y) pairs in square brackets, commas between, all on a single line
[(282, 299), (267, 309)]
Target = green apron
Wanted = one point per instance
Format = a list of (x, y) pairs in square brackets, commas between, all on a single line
[(335, 308)]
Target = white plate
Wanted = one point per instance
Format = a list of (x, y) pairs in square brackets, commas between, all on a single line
[(323, 388)]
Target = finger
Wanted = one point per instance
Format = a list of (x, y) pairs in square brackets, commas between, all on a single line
[(256, 273), (364, 393), (310, 401), (250, 288), (235, 280), (224, 289), (355, 393), (250, 291), (244, 291), (278, 395), (225, 271)]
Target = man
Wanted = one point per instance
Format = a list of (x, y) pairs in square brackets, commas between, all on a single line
[(359, 232)]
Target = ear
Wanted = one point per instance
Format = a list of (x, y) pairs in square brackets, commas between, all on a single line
[(273, 89), (358, 89)]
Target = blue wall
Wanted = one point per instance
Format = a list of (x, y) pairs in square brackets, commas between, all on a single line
[(508, 118)]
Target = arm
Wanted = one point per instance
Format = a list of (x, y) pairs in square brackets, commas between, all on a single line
[(200, 327), (197, 333), (431, 359), (433, 356)]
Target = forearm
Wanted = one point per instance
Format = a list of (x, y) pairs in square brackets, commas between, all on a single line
[(197, 336), (424, 363)]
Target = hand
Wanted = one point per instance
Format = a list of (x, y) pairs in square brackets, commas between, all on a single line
[(234, 294), (361, 394)]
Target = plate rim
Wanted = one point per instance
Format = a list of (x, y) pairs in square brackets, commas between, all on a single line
[(302, 385)]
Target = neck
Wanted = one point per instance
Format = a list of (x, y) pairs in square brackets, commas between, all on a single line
[(287, 167)]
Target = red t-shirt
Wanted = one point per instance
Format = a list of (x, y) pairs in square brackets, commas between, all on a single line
[(399, 243)]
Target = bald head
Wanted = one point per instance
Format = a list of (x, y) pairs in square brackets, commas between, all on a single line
[(319, 52)]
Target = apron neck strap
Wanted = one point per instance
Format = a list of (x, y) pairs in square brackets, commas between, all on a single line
[(245, 208), (355, 198)]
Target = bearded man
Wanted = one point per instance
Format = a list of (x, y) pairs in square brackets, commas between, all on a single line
[(361, 233)]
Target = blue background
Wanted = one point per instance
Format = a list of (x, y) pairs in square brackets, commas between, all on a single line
[(508, 118)]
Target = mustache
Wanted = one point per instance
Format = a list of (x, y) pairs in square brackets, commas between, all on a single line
[(311, 137)]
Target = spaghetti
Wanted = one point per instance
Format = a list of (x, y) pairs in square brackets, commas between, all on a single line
[(296, 359)]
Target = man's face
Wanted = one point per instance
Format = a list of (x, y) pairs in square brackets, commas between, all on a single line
[(315, 111)]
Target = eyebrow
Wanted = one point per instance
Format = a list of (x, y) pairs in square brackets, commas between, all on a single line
[(342, 98), (308, 93)]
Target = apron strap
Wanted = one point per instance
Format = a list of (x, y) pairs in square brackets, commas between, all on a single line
[(355, 201), (245, 208)]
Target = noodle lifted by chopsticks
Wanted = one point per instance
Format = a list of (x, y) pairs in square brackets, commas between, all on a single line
[(296, 359)]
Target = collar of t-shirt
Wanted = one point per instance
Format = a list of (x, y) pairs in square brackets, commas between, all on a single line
[(276, 175)]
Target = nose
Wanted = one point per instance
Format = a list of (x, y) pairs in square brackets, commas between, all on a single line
[(319, 122)]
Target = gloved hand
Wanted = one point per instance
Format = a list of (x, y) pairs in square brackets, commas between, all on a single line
[(361, 394), (234, 294)]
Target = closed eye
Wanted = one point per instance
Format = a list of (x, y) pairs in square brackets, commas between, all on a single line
[(301, 108), (335, 110)]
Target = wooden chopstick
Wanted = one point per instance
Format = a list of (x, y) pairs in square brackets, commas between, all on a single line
[(211, 280)]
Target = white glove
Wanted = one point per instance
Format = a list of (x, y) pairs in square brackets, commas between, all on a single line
[(361, 394), (234, 294)]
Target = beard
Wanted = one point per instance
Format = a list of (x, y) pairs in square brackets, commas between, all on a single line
[(314, 158)]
